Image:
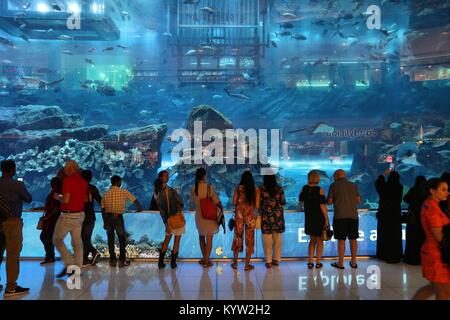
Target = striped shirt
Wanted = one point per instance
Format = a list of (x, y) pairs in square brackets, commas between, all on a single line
[(114, 200)]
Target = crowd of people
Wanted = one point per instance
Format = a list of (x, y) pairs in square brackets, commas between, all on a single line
[(69, 208)]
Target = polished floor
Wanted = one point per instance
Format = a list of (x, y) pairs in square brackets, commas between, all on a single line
[(291, 280)]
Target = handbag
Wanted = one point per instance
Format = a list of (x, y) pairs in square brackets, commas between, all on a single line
[(327, 234), (208, 208), (232, 223), (176, 221), (40, 224)]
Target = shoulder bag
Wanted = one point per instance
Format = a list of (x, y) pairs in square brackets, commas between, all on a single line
[(207, 207), (176, 221)]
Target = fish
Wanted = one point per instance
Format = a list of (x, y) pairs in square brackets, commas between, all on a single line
[(246, 76), (167, 34), (191, 2), (439, 144), (26, 6), (24, 37), (6, 61), (65, 37), (323, 175), (283, 34), (4, 93), (55, 7), (444, 153), (217, 96), (288, 15), (122, 47), (208, 10), (193, 52), (89, 61), (54, 83), (91, 50), (286, 25), (411, 160), (319, 62), (395, 125), (299, 37), (22, 26), (236, 95), (108, 49), (274, 44), (361, 178), (68, 52), (320, 127), (106, 90), (7, 42)]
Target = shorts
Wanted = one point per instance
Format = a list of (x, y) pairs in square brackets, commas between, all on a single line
[(346, 228)]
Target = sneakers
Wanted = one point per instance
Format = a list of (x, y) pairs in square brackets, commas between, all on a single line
[(47, 261), (96, 258), (16, 292), (124, 263)]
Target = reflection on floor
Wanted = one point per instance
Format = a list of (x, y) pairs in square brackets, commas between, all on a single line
[(291, 280)]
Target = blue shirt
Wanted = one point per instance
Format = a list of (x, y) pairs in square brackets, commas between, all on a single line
[(14, 193)]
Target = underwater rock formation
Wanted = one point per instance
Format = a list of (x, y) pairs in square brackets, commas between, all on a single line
[(42, 138)]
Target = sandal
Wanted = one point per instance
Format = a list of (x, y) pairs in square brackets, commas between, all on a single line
[(268, 265), (310, 265), (335, 265), (249, 267), (275, 263), (208, 264), (319, 265), (202, 261), (353, 266), (234, 266)]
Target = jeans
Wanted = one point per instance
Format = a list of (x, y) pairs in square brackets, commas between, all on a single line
[(12, 228), (47, 240), (115, 223), (86, 235), (73, 223)]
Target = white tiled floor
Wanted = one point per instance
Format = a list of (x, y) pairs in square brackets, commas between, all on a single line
[(291, 280)]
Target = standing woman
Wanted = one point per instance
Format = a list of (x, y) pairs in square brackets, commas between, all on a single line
[(312, 198), (272, 219), (169, 204), (433, 220), (206, 228), (389, 228), (415, 236), (246, 199)]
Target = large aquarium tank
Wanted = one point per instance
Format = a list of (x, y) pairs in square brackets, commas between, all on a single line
[(132, 87)]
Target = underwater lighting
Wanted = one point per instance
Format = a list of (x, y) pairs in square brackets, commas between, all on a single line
[(43, 7), (74, 7)]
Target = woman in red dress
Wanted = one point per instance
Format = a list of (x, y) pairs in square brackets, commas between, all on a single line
[(433, 219)]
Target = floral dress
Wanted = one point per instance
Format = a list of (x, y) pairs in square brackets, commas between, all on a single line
[(433, 269), (272, 213), (245, 223)]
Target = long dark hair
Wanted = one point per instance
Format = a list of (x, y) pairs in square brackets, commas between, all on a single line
[(433, 184), (248, 183), (199, 175), (270, 184), (420, 182)]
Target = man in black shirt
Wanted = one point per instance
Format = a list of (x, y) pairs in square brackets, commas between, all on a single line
[(89, 221)]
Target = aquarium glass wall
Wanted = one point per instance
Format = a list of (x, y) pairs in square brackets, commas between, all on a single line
[(357, 85)]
